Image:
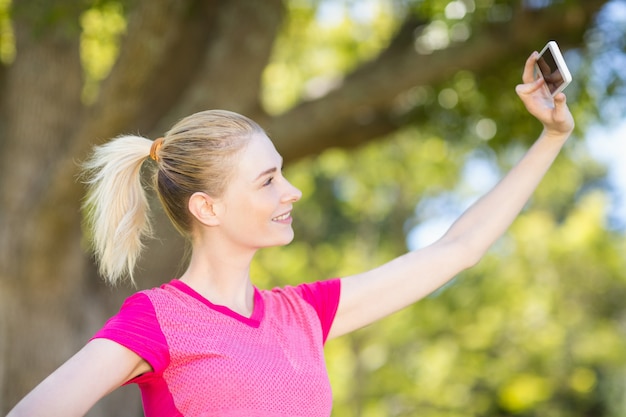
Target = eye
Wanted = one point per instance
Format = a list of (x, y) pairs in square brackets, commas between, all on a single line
[(268, 181)]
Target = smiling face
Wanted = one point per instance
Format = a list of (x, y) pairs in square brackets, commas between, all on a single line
[(255, 210)]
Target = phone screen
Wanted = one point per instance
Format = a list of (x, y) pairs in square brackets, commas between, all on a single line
[(550, 70)]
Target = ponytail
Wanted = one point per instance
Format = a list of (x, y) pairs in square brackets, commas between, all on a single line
[(116, 207), (195, 155)]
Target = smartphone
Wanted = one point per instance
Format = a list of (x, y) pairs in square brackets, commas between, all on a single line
[(551, 66)]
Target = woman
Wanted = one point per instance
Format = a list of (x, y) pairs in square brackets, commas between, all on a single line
[(210, 343)]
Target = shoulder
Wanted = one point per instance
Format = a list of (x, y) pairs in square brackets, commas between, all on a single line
[(320, 291), (136, 327), (136, 307), (318, 299), (143, 304), (308, 291)]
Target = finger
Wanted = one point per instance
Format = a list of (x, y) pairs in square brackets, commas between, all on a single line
[(529, 87), (528, 75)]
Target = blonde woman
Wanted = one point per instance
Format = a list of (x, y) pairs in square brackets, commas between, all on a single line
[(211, 343)]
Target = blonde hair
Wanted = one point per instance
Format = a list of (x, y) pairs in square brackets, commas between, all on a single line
[(196, 154)]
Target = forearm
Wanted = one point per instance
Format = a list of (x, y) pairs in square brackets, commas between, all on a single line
[(97, 369), (52, 398), (487, 219), (374, 294)]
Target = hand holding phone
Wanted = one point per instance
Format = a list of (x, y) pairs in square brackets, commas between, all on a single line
[(551, 66)]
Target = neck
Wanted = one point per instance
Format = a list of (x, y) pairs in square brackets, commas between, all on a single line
[(223, 279)]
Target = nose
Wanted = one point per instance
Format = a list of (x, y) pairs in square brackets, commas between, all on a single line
[(291, 193)]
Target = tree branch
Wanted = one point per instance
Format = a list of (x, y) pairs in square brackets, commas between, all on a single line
[(373, 88), (191, 32), (152, 30), (233, 62)]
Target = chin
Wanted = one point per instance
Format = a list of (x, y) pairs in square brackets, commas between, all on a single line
[(283, 241), (286, 240)]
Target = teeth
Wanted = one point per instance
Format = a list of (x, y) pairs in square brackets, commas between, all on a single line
[(283, 217)]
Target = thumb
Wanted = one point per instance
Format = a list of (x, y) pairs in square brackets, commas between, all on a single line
[(559, 100), (561, 111)]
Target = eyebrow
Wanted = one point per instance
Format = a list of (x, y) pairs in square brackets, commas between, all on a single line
[(268, 171)]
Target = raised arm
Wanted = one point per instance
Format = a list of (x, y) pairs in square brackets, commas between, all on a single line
[(96, 370), (379, 292)]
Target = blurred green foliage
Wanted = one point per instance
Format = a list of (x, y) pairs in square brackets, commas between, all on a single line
[(334, 39), (538, 327), (101, 28), (7, 42)]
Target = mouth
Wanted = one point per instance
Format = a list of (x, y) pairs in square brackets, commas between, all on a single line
[(282, 217)]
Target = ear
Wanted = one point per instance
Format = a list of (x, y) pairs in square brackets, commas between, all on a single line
[(202, 207)]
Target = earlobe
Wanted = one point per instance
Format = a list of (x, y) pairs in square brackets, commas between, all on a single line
[(201, 206)]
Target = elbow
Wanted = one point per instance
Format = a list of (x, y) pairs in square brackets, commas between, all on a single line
[(468, 253), (470, 259), (473, 258)]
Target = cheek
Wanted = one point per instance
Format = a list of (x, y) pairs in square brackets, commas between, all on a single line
[(253, 210)]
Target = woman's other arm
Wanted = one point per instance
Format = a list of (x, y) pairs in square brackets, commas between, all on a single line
[(97, 369)]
